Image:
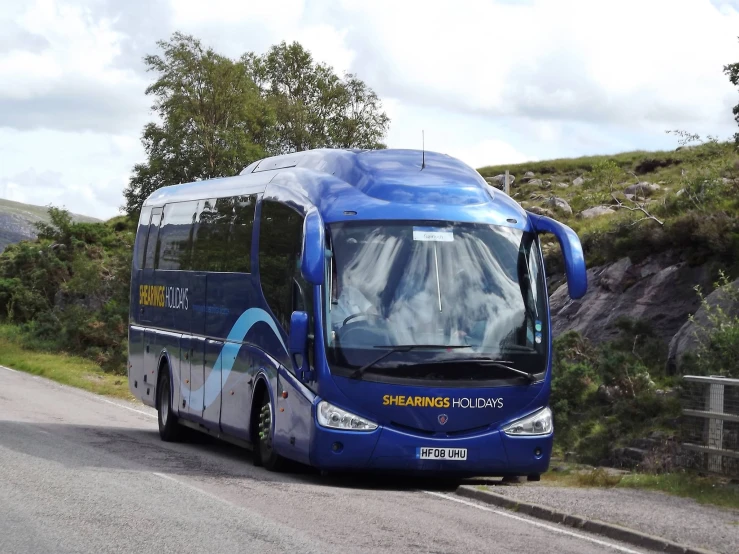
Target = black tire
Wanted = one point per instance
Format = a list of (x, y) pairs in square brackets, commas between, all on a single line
[(169, 429), (264, 454)]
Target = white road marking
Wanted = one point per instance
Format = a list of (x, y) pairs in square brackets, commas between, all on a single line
[(147, 414), (196, 489), (535, 523), (97, 397)]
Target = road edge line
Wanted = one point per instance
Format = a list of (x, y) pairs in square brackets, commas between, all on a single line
[(610, 530)]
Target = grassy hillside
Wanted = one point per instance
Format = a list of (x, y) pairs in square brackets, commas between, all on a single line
[(689, 201), (36, 213), (17, 221)]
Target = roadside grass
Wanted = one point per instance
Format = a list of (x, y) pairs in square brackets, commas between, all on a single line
[(60, 367), (709, 490), (704, 490)]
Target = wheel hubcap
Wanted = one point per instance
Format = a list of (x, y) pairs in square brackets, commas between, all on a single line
[(265, 425)]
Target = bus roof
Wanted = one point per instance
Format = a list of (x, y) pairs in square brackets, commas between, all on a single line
[(345, 184)]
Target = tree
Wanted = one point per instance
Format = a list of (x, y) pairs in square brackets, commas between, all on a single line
[(732, 70), (214, 121), (218, 115), (314, 107)]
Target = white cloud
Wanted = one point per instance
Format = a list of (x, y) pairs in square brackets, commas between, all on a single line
[(489, 152), (71, 82), (85, 172), (605, 62), (490, 82)]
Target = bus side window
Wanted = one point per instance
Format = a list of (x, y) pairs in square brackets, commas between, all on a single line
[(240, 234), (152, 241), (280, 243), (175, 235), (141, 233), (209, 237)]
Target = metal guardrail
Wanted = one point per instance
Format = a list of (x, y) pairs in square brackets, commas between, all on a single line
[(710, 428)]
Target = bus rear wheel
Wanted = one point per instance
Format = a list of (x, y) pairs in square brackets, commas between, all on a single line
[(169, 429), (265, 454)]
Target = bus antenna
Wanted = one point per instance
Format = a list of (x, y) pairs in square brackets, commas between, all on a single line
[(423, 150)]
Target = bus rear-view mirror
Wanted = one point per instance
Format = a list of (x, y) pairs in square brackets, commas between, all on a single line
[(569, 242), (312, 259), (298, 341)]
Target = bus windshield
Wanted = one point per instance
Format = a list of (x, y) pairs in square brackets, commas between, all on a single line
[(475, 287)]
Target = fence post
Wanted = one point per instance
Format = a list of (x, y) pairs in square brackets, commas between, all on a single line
[(506, 186), (715, 405)]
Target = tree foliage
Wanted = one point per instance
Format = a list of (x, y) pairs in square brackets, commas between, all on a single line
[(314, 107), (213, 120), (732, 71), (217, 115)]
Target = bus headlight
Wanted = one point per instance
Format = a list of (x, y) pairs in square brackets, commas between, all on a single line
[(539, 423), (336, 418)]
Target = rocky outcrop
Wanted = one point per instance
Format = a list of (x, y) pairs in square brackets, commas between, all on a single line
[(642, 189), (687, 339), (15, 228), (659, 290), (527, 176), (499, 180), (579, 181), (596, 211), (538, 210), (559, 204)]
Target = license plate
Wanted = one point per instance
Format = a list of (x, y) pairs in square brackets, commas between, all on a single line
[(425, 453)]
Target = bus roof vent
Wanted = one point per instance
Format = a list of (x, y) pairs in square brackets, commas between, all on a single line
[(279, 162)]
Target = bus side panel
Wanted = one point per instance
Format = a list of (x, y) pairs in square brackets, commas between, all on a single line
[(168, 344), (212, 386), (135, 359), (194, 408), (194, 389), (237, 389), (293, 425), (229, 298), (151, 359), (177, 313), (183, 385)]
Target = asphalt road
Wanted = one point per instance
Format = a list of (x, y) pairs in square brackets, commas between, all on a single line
[(82, 473)]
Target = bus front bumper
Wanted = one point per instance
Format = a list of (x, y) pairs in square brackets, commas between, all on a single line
[(492, 453)]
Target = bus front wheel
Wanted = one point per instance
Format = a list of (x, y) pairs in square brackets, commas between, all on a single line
[(169, 428), (265, 454)]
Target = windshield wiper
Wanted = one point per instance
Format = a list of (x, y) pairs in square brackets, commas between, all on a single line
[(402, 348), (502, 364)]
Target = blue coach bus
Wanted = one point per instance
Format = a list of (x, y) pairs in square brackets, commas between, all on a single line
[(350, 310)]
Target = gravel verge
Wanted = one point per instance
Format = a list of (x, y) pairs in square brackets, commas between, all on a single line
[(679, 520)]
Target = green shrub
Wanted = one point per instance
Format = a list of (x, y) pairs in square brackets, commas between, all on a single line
[(69, 289), (603, 396), (718, 349)]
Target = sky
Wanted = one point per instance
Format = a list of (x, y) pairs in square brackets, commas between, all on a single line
[(488, 81)]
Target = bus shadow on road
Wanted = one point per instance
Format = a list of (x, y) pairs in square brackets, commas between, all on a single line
[(127, 449)]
